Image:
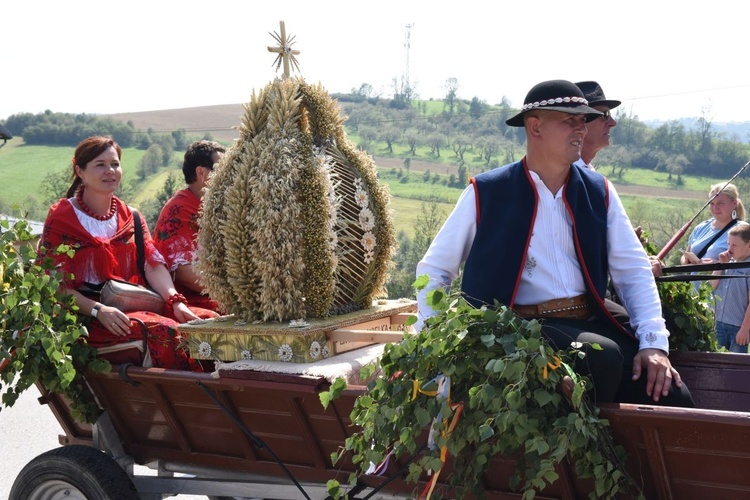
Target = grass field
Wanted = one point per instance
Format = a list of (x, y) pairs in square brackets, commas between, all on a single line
[(405, 212), (23, 168)]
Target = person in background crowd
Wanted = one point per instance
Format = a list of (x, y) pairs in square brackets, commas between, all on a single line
[(176, 229), (709, 238), (733, 294), (542, 236), (101, 228)]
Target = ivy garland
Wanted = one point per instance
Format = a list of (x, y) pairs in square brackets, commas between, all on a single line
[(505, 383), (689, 314), (41, 338)]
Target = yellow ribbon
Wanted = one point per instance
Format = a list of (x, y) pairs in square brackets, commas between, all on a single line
[(417, 390), (554, 366)]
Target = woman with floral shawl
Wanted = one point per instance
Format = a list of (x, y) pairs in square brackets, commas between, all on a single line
[(100, 229)]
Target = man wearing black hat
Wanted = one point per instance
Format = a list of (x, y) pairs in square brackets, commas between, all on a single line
[(597, 137), (542, 236)]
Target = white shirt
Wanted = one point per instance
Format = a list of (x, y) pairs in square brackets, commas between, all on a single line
[(551, 270), (103, 229), (583, 164)]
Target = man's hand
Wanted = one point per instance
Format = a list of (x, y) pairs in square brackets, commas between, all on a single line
[(658, 370), (656, 265)]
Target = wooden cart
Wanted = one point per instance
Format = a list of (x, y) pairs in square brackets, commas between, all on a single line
[(266, 435)]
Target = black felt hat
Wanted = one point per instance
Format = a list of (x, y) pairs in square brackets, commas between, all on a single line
[(594, 94), (555, 95)]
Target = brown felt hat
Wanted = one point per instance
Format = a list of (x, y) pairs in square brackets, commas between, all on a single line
[(555, 95)]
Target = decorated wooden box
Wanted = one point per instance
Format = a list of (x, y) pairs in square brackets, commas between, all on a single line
[(227, 339)]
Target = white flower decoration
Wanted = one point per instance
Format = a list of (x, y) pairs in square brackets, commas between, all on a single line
[(366, 219), (321, 157), (245, 354), (368, 257), (368, 241), (324, 351), (285, 353), (315, 349), (357, 183), (204, 349), (361, 198)]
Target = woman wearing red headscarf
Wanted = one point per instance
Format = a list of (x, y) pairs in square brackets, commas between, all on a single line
[(100, 229)]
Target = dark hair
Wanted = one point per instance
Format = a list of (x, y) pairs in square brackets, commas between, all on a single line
[(199, 154), (86, 151)]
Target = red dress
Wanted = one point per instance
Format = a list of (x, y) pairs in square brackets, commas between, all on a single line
[(98, 259), (175, 238)]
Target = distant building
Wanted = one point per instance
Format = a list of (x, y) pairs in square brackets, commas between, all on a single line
[(4, 134)]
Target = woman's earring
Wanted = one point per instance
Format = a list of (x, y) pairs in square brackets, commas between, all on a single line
[(734, 214)]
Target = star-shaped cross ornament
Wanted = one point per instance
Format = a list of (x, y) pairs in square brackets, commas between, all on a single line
[(284, 50)]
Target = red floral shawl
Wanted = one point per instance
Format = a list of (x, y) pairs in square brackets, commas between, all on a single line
[(176, 230), (115, 258)]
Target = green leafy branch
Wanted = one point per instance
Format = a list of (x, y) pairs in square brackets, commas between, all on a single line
[(689, 313), (509, 381), (41, 337)]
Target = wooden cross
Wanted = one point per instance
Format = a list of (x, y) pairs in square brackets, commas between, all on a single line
[(284, 51)]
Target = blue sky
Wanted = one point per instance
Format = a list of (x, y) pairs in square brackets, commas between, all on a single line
[(664, 59)]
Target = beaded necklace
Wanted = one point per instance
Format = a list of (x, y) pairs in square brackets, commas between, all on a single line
[(91, 213)]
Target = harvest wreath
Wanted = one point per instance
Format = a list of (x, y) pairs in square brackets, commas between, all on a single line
[(486, 384), (294, 223)]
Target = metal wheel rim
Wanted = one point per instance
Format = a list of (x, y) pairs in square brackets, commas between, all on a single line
[(56, 490)]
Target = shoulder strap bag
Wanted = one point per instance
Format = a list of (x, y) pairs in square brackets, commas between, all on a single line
[(126, 296), (716, 237)]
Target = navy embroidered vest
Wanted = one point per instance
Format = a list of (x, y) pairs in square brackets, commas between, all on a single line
[(506, 209)]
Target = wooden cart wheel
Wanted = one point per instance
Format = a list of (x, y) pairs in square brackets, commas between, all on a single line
[(73, 473)]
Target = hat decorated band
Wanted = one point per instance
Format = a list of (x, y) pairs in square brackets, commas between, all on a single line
[(551, 102), (555, 95)]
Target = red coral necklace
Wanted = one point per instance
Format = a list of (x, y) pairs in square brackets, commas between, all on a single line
[(91, 213)]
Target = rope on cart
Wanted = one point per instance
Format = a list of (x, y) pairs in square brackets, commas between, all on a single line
[(258, 442)]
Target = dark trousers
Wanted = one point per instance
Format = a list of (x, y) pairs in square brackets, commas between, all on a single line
[(611, 368)]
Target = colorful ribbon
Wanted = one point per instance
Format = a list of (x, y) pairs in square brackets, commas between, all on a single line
[(554, 366)]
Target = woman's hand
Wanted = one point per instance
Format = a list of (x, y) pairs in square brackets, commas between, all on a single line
[(114, 320), (182, 313), (690, 258)]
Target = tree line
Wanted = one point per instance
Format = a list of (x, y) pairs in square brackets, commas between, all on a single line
[(67, 129), (472, 132)]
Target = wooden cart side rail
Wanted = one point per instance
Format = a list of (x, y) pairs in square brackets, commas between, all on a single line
[(259, 380), (75, 432)]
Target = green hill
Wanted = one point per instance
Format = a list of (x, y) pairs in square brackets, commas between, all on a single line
[(648, 195)]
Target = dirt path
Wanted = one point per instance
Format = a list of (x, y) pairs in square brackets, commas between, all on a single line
[(623, 189)]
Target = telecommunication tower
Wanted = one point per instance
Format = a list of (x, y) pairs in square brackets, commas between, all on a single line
[(407, 45)]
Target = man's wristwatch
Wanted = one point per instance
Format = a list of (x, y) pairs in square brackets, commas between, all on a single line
[(95, 310)]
